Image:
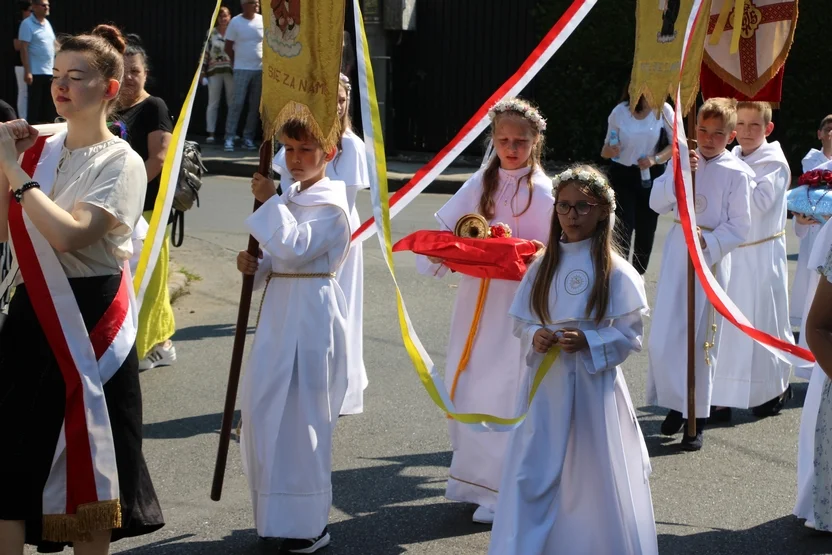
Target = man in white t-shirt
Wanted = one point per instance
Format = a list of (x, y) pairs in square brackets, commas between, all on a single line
[(244, 45)]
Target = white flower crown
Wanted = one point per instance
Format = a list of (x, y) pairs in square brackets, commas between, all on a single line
[(597, 183), (522, 108), (345, 82)]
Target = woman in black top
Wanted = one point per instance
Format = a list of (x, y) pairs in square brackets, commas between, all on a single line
[(149, 128)]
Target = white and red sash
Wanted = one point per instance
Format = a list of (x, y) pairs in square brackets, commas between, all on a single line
[(81, 494)]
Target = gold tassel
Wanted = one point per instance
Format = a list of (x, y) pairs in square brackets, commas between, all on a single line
[(712, 343), (91, 517), (300, 112)]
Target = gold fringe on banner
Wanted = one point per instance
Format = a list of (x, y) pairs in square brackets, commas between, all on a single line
[(92, 517), (660, 31), (295, 111), (302, 44)]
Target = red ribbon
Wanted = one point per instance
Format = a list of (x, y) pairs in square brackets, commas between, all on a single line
[(698, 263), (504, 89)]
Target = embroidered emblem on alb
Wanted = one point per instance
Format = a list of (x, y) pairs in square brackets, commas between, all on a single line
[(577, 282), (700, 204)]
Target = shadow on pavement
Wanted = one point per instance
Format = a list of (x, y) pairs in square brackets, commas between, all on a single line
[(386, 509), (191, 426), (382, 501), (209, 331), (778, 537), (239, 542)]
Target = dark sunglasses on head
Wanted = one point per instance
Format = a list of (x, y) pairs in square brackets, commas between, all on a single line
[(581, 207)]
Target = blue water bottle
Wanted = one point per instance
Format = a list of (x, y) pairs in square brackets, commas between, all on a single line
[(614, 141)]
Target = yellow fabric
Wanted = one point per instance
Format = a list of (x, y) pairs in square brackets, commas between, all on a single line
[(156, 323), (656, 64), (302, 43), (167, 182)]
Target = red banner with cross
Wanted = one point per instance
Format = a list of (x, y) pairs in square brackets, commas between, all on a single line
[(747, 44)]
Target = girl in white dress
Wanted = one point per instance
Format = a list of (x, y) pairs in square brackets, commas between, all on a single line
[(512, 189), (349, 166), (576, 471)]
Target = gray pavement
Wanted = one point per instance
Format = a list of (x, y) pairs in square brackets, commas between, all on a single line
[(400, 170), (733, 497)]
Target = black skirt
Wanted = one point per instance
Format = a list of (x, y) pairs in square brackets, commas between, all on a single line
[(32, 400)]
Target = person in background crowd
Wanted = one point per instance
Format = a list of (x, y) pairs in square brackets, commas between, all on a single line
[(217, 73), (244, 46), (149, 128), (637, 143), (6, 112), (24, 9), (37, 53)]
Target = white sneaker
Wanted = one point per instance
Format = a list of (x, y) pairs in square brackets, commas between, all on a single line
[(210, 140), (249, 144), (163, 354), (483, 515), (229, 145)]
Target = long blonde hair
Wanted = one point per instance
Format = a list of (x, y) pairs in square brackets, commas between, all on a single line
[(519, 108), (603, 247)]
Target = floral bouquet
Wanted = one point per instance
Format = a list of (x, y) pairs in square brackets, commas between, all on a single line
[(475, 249), (812, 197)]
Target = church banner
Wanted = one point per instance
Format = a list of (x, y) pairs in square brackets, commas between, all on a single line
[(748, 43), (659, 34), (302, 46)]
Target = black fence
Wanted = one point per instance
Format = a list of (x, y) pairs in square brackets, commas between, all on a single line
[(173, 33), (460, 53)]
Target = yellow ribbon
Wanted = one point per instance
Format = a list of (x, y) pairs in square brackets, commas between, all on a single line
[(739, 11), (382, 212), (167, 182)]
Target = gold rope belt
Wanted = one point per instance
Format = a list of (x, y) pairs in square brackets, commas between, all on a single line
[(272, 275), (766, 240), (299, 276), (702, 227)]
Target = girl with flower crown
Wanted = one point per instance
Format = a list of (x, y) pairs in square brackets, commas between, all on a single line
[(580, 456), (349, 166), (485, 365)]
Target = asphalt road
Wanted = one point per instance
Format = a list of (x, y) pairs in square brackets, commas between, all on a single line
[(733, 497)]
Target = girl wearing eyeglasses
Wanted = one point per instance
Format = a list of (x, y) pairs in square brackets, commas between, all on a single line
[(580, 456)]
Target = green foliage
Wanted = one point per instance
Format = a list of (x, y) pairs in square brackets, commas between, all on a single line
[(582, 83)]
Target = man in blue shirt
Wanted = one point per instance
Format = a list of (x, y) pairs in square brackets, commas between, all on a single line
[(37, 41)]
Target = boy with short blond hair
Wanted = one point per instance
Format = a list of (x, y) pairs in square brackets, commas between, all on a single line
[(723, 190), (747, 374)]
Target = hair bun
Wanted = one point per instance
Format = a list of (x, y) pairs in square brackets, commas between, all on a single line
[(112, 35), (134, 40)]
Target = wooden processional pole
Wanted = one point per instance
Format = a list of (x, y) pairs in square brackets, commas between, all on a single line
[(266, 155), (692, 297)]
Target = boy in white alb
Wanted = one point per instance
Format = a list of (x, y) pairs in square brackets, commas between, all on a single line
[(806, 229), (723, 189), (747, 374), (296, 376)]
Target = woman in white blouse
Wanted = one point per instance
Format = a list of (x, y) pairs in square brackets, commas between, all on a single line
[(639, 150), (73, 470)]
